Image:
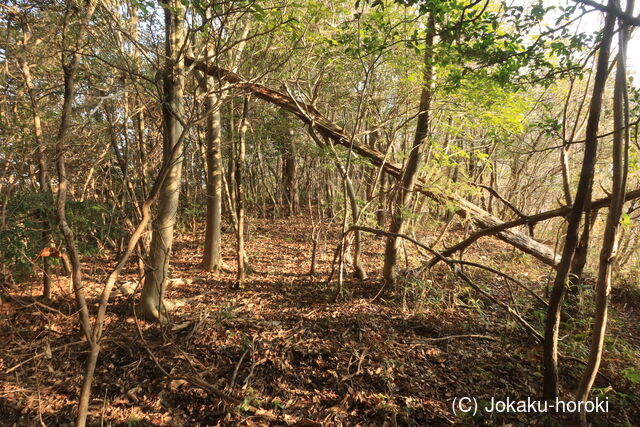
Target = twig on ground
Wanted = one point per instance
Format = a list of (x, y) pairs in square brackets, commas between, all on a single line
[(504, 275), (232, 383), (457, 271), (39, 355), (451, 337), (202, 384)]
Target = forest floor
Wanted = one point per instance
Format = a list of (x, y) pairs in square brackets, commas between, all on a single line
[(376, 356)]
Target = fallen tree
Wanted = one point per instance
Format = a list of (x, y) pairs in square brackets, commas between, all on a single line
[(312, 117), (530, 220)]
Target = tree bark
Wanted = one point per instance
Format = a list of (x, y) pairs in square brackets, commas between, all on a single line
[(212, 259), (290, 175), (611, 236), (579, 260), (381, 209), (43, 170), (410, 173), (552, 327), (244, 124), (137, 106), (153, 291)]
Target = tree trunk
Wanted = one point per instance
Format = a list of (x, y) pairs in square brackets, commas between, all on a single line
[(152, 298), (289, 175), (564, 164), (609, 249), (552, 328), (579, 260), (231, 166), (244, 124), (381, 210), (70, 67), (212, 259), (410, 173), (43, 172), (359, 271), (138, 107)]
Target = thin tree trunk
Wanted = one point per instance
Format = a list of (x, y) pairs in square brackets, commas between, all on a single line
[(410, 173), (552, 328), (70, 67), (152, 298), (244, 124), (566, 184), (290, 172), (137, 106), (381, 211), (610, 240), (43, 172), (231, 166), (359, 271), (579, 260), (564, 152)]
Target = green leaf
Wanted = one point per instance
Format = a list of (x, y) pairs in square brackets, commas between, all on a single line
[(625, 220), (632, 374)]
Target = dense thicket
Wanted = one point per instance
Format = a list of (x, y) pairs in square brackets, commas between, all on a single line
[(433, 122)]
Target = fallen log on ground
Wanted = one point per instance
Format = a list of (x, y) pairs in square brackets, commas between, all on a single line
[(530, 220), (309, 115)]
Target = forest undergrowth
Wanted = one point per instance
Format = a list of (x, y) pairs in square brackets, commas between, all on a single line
[(287, 349)]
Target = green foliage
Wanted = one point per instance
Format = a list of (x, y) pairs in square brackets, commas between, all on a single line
[(145, 6), (632, 374), (93, 224), (249, 400), (277, 404), (488, 40), (634, 166), (22, 239), (625, 220)]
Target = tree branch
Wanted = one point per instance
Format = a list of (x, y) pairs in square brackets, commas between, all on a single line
[(613, 8)]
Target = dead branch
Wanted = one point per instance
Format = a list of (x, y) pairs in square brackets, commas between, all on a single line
[(452, 337), (458, 272), (312, 117), (528, 220)]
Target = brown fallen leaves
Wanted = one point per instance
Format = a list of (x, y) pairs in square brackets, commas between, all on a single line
[(280, 345)]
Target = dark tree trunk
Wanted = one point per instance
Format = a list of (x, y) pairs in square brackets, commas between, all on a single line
[(552, 328), (410, 173), (290, 175), (611, 236)]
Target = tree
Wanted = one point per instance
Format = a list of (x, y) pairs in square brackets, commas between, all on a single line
[(43, 168), (212, 258), (610, 241), (290, 174), (155, 283), (240, 157), (411, 169), (70, 66), (581, 200)]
